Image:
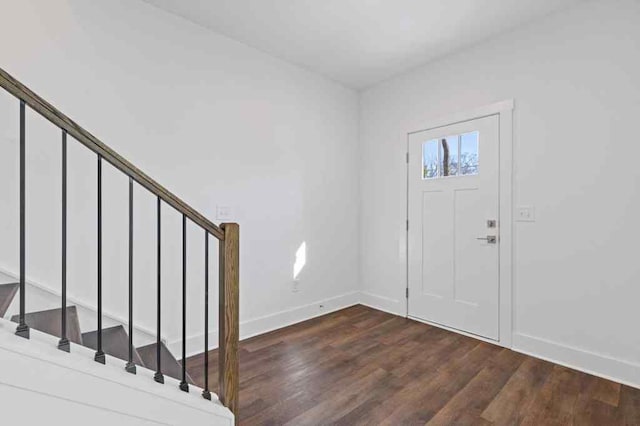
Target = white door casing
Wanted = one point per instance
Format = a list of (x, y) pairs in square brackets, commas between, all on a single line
[(456, 280)]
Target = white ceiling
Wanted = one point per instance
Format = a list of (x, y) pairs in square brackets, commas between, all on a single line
[(360, 42)]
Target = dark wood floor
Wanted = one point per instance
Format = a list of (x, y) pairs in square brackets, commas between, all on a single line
[(360, 366)]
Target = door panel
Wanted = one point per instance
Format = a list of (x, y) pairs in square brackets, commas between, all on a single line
[(466, 264), (453, 193), (438, 242)]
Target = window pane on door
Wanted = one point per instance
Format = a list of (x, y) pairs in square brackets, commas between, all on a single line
[(449, 155), (469, 153), (430, 159)]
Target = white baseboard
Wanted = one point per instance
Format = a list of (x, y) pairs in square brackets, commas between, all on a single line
[(601, 365), (382, 303), (267, 323), (589, 362), (464, 333), (598, 364), (256, 326)]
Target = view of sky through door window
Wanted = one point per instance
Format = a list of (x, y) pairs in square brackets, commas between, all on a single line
[(430, 159), (469, 153), (455, 155)]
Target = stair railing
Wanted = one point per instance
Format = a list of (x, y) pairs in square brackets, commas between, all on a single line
[(227, 234)]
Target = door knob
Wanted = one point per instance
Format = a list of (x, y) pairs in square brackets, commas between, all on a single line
[(491, 239)]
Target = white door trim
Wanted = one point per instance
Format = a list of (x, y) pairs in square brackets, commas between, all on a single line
[(504, 110)]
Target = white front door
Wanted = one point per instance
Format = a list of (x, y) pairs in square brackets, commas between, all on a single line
[(453, 237)]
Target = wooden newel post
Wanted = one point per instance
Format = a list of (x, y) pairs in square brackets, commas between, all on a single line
[(229, 331)]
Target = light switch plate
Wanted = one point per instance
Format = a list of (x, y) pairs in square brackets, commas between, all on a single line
[(526, 214), (224, 213)]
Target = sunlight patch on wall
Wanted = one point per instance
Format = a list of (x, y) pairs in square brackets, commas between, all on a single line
[(301, 260)]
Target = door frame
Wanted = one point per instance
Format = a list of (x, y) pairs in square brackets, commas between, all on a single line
[(504, 111)]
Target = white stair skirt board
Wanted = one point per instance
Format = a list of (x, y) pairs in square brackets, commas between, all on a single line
[(81, 391), (267, 323)]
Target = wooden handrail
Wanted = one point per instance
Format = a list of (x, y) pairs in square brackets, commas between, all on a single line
[(49, 112)]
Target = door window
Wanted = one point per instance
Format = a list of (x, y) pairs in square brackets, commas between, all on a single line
[(455, 155)]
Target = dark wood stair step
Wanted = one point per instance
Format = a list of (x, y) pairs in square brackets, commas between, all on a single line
[(115, 342), (7, 293), (49, 322), (170, 365)]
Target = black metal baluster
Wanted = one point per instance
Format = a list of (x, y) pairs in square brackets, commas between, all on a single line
[(99, 356), (23, 329), (63, 344), (130, 367), (158, 376), (183, 384), (205, 393)]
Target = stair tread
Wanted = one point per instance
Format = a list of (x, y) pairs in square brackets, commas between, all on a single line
[(170, 365), (49, 322), (115, 342), (7, 293)]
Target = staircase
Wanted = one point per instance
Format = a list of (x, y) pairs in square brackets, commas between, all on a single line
[(7, 293), (117, 341)]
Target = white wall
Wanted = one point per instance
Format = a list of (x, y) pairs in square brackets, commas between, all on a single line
[(214, 121), (575, 80), (221, 124)]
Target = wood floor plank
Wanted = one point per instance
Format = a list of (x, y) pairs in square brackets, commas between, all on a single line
[(511, 404), (595, 412), (442, 387), (629, 405), (360, 366), (607, 391), (468, 404), (556, 402), (589, 405), (342, 401)]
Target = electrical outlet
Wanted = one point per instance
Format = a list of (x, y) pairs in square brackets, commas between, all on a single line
[(295, 287)]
